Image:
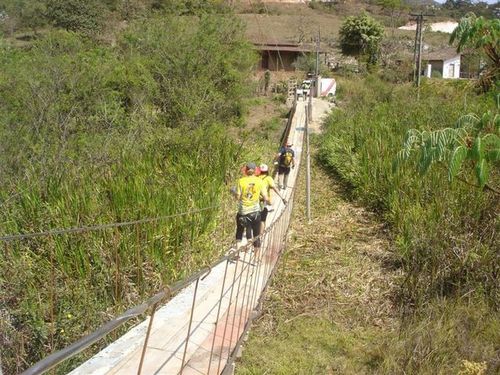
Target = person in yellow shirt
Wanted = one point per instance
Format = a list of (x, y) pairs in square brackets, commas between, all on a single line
[(269, 185), (249, 191)]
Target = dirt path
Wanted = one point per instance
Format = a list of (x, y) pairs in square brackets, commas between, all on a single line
[(330, 305), (321, 109)]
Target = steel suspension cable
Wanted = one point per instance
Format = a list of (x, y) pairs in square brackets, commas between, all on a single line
[(77, 230)]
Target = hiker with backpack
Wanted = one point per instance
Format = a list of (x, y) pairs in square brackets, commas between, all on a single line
[(285, 160), (248, 193), (269, 185)]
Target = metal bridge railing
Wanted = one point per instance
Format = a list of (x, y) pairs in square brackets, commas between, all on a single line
[(246, 274)]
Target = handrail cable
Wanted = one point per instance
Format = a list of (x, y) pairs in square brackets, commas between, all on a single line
[(54, 359), (55, 232)]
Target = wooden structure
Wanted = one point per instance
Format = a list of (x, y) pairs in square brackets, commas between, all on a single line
[(281, 56)]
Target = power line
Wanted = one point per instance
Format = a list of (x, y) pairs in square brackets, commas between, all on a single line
[(57, 232)]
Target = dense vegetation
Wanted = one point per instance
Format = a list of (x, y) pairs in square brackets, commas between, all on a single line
[(93, 17), (445, 233), (97, 134), (120, 110)]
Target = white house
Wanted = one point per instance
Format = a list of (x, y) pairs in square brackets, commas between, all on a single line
[(444, 63)]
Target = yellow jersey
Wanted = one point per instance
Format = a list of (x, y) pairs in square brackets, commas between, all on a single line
[(250, 188), (268, 182)]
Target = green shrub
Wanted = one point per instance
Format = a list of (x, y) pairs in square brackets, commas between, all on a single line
[(361, 35), (444, 232), (73, 15), (436, 74), (92, 135)]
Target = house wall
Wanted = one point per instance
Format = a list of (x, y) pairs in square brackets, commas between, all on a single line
[(451, 68)]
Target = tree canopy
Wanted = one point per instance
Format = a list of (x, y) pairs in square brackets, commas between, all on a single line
[(361, 35), (482, 35), (75, 15)]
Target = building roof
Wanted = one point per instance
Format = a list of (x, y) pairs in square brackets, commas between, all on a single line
[(286, 47), (443, 54)]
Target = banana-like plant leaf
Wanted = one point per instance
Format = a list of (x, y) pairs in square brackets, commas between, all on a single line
[(491, 141), (456, 160), (477, 149), (493, 156), (482, 172)]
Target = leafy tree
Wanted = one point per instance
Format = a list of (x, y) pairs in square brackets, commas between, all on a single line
[(460, 8), (482, 35), (361, 35), (199, 66), (474, 143), (86, 17), (307, 63), (26, 14), (131, 8)]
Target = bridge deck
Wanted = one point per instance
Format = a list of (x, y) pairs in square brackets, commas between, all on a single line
[(217, 323)]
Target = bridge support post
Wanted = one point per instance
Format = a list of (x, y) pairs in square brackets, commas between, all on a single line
[(308, 170)]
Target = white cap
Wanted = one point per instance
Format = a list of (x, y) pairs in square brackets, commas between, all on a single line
[(264, 168)]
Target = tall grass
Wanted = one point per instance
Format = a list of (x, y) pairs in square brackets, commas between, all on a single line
[(94, 134), (445, 234), (94, 276)]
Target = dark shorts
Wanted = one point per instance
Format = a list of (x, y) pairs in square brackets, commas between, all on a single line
[(263, 215), (250, 224), (283, 170)]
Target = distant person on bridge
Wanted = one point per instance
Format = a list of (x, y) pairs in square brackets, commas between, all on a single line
[(249, 191), (285, 160), (269, 185)]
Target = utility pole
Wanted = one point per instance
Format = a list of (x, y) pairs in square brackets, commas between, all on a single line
[(310, 103), (318, 41), (316, 80), (417, 54)]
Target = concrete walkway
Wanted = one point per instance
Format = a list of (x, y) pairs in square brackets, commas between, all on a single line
[(217, 323)]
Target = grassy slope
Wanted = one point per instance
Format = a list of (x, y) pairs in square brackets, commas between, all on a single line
[(329, 304), (295, 22)]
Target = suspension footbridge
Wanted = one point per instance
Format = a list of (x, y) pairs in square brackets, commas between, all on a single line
[(197, 325)]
